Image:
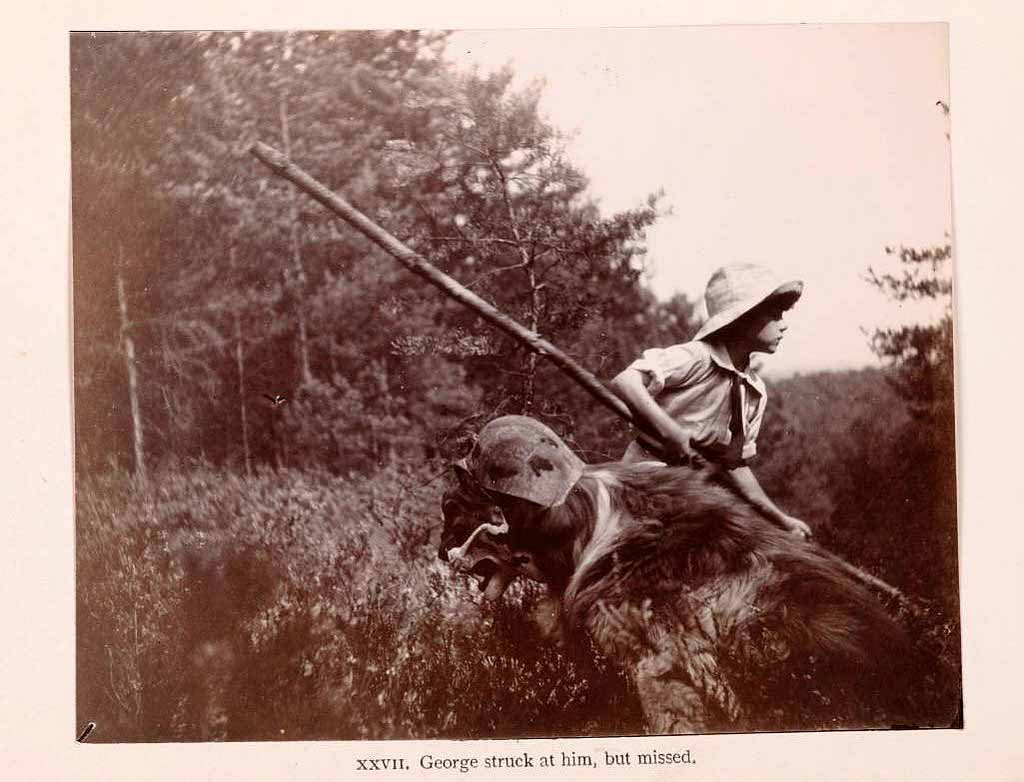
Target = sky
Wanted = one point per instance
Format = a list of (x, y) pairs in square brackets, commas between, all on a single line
[(808, 149)]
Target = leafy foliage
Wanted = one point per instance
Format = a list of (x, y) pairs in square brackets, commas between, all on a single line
[(239, 288), (294, 605), (921, 355)]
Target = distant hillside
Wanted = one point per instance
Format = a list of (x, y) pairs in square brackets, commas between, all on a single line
[(818, 420), (842, 451)]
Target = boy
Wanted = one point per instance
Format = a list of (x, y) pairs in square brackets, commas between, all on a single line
[(702, 397)]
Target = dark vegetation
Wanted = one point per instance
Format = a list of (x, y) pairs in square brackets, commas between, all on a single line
[(252, 570)]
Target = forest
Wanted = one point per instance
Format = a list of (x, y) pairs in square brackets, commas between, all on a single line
[(266, 404)]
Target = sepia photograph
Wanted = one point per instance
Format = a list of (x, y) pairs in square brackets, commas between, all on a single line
[(519, 383)]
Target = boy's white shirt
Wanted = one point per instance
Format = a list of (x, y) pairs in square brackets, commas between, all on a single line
[(692, 382)]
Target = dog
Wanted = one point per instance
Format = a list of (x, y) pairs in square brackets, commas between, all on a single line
[(724, 621)]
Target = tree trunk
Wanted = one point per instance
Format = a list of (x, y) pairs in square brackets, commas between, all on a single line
[(172, 432), (240, 364), (298, 272), (280, 457), (529, 385), (527, 260), (384, 389), (133, 380)]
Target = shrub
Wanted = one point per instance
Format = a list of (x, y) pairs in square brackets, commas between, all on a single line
[(300, 605)]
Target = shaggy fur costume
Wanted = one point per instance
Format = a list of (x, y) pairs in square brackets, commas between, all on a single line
[(724, 621)]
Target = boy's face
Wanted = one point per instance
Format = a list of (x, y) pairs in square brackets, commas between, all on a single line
[(767, 325)]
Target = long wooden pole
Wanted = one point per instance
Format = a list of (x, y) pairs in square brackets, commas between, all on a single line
[(417, 264)]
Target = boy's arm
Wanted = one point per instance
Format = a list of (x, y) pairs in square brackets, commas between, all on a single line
[(631, 386), (748, 486)]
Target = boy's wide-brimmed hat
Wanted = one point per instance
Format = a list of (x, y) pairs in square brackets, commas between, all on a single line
[(735, 290)]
